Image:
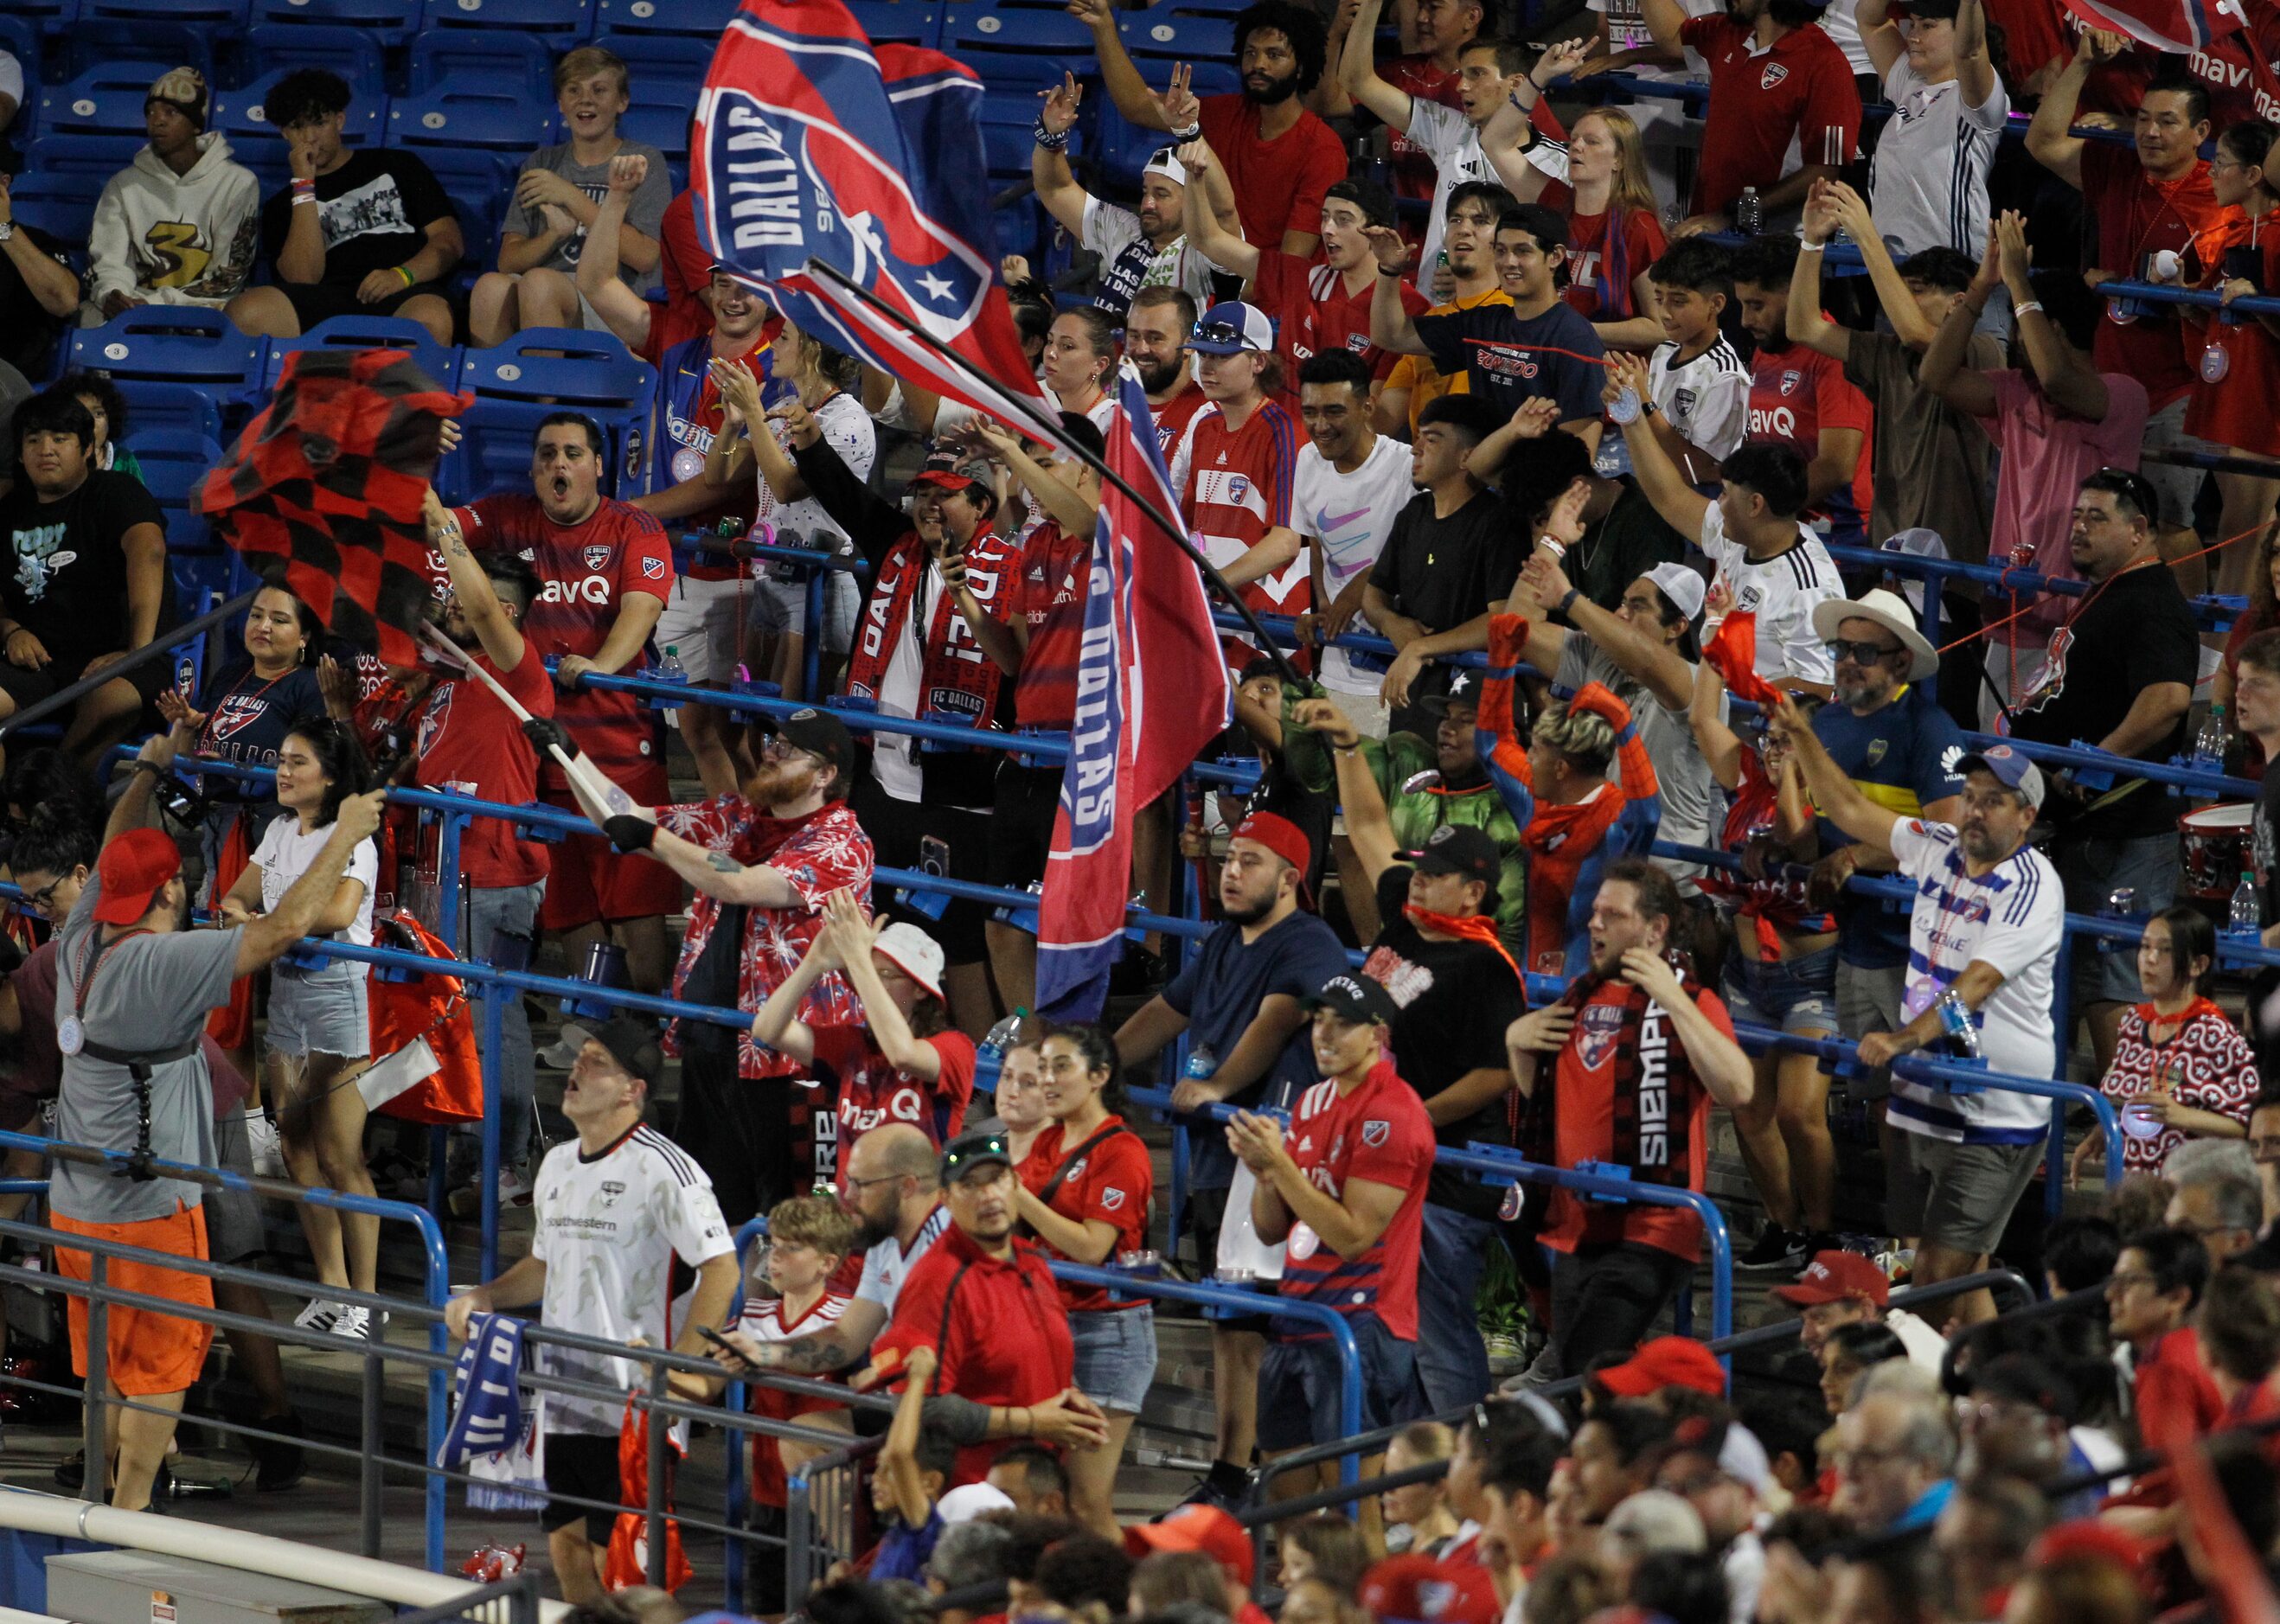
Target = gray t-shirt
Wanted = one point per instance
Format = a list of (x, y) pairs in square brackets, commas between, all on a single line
[(1682, 773), (149, 992), (645, 214)]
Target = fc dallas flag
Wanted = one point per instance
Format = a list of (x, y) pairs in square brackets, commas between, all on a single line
[(327, 482), (2179, 26), (815, 149), (1151, 694)]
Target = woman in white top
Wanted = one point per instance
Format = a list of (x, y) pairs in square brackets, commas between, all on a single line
[(320, 1032), (1928, 181), (826, 383)]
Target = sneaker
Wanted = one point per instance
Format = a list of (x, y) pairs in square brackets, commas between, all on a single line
[(558, 1056), (71, 1471), (278, 1465), (353, 1322), (1542, 1372), (321, 1315), (514, 1189), (1504, 1356), (1777, 1250), (268, 1155)]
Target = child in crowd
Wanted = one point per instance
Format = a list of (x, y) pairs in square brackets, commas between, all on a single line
[(914, 1467)]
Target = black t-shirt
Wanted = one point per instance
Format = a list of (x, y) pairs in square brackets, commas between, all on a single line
[(1442, 572), (247, 719), (1632, 540), (1511, 360), (712, 981), (27, 333), (67, 576), (1455, 999), (2133, 631), (374, 209)]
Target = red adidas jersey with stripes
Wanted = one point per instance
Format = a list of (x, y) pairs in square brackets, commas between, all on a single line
[(763, 1320), (1235, 486), (1379, 1135), (587, 571), (1794, 394)]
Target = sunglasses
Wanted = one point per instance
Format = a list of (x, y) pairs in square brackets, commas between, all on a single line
[(1860, 653), (1221, 332)]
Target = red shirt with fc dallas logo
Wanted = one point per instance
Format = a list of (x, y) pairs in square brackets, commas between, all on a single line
[(587, 570), (469, 743), (1772, 111), (1234, 486), (1109, 1178), (1379, 1135), (1795, 393), (873, 1090)]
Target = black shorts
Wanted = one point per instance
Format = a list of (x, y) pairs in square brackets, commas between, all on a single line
[(1021, 823), (27, 687), (897, 829), (586, 1464), (315, 302)]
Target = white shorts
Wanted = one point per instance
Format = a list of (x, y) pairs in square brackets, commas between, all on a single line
[(780, 605), (703, 622)]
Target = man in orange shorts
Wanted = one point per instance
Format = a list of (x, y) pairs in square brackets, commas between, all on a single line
[(133, 985)]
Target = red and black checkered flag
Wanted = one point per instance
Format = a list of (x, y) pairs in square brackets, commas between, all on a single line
[(327, 482)]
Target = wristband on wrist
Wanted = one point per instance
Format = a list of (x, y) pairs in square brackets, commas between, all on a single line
[(1567, 598), (2021, 310), (1807, 245), (1188, 133), (1390, 269), (1051, 141), (404, 271)]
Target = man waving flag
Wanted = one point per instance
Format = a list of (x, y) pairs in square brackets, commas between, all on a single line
[(1146, 617), (828, 169)]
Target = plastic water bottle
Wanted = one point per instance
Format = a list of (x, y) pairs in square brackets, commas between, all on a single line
[(1202, 1064), (1956, 1022), (990, 1054), (670, 669), (1749, 212), (2245, 915), (2212, 741)]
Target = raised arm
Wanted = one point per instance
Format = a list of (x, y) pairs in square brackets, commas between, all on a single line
[(1656, 664), (1900, 305), (1881, 34), (2058, 364), (1390, 326), (1496, 734), (1209, 230), (1720, 745), (1121, 80), (2051, 140), (494, 628), (1840, 802), (1975, 67), (778, 1026), (1050, 173), (1682, 506), (1967, 389), (1664, 19), (1806, 323), (625, 311), (1368, 825), (1357, 71)]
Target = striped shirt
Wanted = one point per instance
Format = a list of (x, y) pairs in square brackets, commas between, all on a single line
[(1782, 591), (2011, 919), (1235, 486), (1928, 182)]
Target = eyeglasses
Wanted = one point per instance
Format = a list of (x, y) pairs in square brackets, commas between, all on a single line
[(780, 749), (43, 902), (867, 1183), (1863, 653), (2122, 1279)]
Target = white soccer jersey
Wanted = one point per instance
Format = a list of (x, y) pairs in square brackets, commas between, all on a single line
[(608, 1232), (1783, 592), (1706, 399), (1452, 140), (763, 1319), (2011, 918), (886, 1264)]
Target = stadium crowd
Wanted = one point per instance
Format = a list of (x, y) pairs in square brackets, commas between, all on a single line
[(1539, 417)]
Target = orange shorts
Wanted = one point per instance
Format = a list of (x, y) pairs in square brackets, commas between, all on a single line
[(147, 1352)]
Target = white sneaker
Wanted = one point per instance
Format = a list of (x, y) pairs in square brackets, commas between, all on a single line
[(514, 1189), (323, 1315), (558, 1056), (353, 1323), (268, 1156)]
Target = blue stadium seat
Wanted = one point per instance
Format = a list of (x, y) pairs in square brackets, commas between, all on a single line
[(392, 21), (668, 72), (56, 14), (700, 19), (69, 153), (174, 462), (1166, 34), (254, 142), (1011, 27), (176, 408), (110, 45), (559, 365), (478, 183), (487, 111), (103, 101), (62, 205), (370, 333), (563, 23), (898, 22), (494, 452), (355, 52), (180, 343), (522, 63), (224, 14)]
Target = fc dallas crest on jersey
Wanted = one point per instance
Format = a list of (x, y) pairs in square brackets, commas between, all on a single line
[(1774, 74), (596, 557), (235, 714)]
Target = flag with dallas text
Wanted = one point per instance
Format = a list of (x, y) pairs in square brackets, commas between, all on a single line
[(1152, 694)]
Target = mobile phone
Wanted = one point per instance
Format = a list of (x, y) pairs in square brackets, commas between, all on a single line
[(934, 856), (716, 1339)]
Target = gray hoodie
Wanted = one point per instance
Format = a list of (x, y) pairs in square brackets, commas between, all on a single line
[(170, 239)]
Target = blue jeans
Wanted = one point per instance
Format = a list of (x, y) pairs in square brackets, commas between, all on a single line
[(1452, 1365), (514, 909)]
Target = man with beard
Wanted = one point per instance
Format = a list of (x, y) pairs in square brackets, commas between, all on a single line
[(606, 569), (1467, 226), (1316, 308), (1643, 1051), (134, 986), (1453, 987), (2120, 675), (1147, 247), (1156, 329), (702, 621), (762, 861), (1240, 999), (1982, 946), (1280, 160), (1799, 396)]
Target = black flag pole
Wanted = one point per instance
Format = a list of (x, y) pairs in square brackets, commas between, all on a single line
[(1047, 428), (159, 646)]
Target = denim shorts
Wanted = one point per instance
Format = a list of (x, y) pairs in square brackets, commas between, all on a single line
[(323, 1013), (1298, 1384), (1797, 996), (2092, 871), (1115, 1356)]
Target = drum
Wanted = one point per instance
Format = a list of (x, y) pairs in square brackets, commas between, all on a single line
[(2213, 843)]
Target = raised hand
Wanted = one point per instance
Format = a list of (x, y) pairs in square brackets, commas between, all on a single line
[(1058, 114), (627, 171), (1385, 243), (1181, 109)]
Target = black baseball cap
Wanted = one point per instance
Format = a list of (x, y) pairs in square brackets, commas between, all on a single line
[(819, 733), (632, 1041), (1464, 689), (1351, 996), (979, 1146), (1457, 849)]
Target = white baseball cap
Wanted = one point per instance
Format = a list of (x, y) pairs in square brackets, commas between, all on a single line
[(914, 952), (1682, 586)]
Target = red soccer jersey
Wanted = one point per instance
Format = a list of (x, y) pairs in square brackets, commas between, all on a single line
[(763, 1320), (1278, 184), (468, 742), (588, 570), (1620, 1097), (2136, 216), (1414, 173), (1770, 111), (1379, 1135), (1048, 594), (2237, 409), (1112, 1181), (872, 1091), (1174, 416), (1315, 311), (1795, 393), (1602, 270), (1235, 486)]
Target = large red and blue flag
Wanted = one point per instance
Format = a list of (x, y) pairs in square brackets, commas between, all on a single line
[(818, 152), (1150, 695), (2179, 26)]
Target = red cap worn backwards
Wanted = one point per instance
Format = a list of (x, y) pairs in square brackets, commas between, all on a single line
[(1280, 835), (1416, 1589), (1206, 1528), (1834, 1276), (1667, 1361), (131, 870)]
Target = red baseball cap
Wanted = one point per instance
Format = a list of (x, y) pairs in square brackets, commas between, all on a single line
[(1417, 1590), (131, 869), (1206, 1528), (1666, 1361), (1280, 835), (1833, 1276)]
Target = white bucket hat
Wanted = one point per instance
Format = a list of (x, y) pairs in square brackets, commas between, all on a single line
[(914, 953)]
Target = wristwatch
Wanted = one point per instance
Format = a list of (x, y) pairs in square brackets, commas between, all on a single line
[(7, 230)]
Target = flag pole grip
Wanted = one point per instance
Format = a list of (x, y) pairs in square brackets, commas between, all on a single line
[(64, 698)]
